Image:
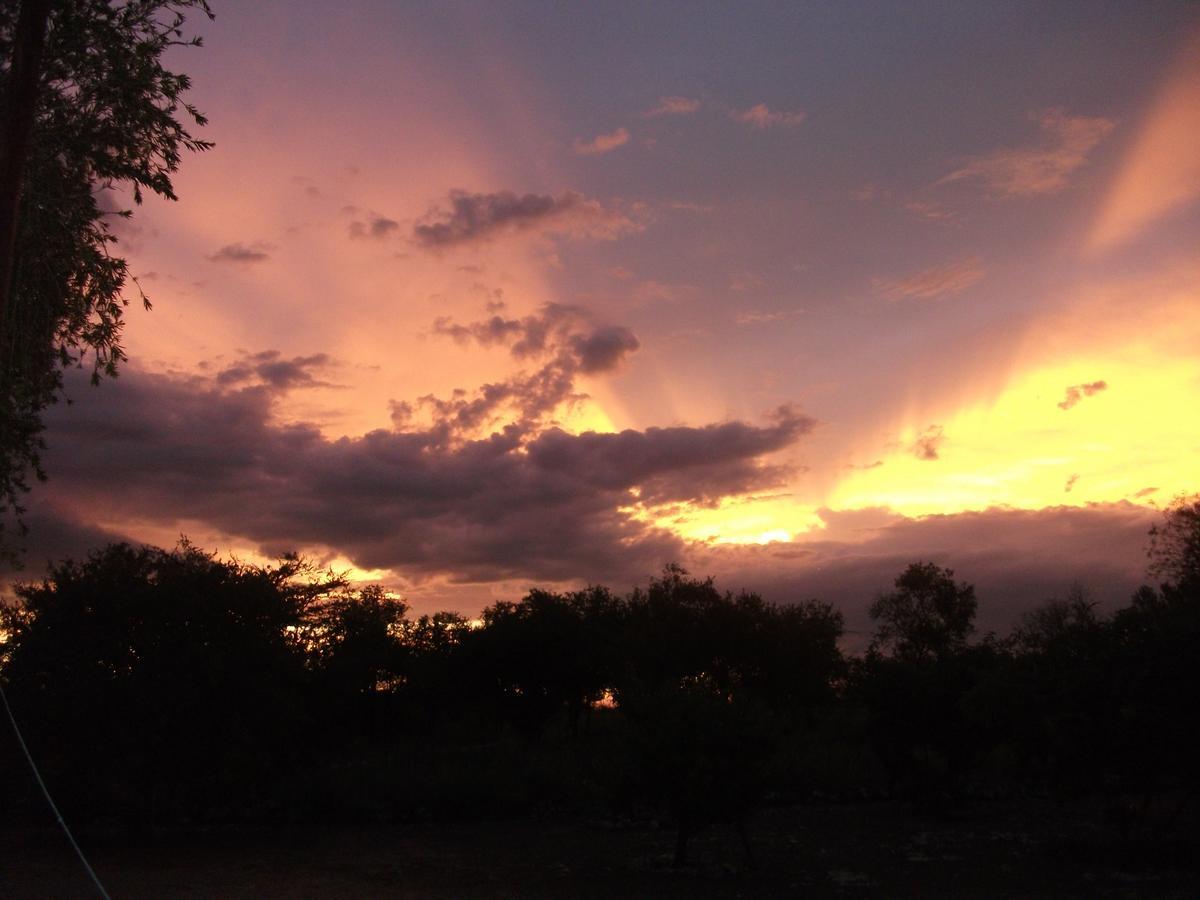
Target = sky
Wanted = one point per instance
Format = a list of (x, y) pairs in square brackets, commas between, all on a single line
[(471, 297)]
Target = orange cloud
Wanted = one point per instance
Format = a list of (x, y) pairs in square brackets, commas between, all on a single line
[(602, 143), (1077, 392), (761, 116), (928, 443), (672, 106), (1038, 169), (939, 281), (1162, 170)]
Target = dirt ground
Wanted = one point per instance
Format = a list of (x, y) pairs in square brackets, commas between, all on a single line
[(843, 850)]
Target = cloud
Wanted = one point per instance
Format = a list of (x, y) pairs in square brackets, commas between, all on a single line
[(863, 467), (928, 211), (52, 535), (1017, 559), (513, 503), (602, 143), (675, 464), (928, 443), (474, 218), (1044, 168), (376, 226), (742, 282), (754, 317), (603, 349), (762, 117), (1070, 483), (1077, 392), (242, 253), (929, 284), (672, 106), (267, 369), (563, 335)]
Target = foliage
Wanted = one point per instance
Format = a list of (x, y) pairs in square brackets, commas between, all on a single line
[(356, 643), (549, 655), (149, 679), (1175, 543), (107, 115), (928, 615), (171, 687)]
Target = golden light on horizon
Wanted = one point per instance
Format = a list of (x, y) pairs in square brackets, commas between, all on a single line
[(732, 520), (1058, 435)]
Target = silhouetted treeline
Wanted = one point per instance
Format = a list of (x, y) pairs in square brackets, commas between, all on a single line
[(163, 688)]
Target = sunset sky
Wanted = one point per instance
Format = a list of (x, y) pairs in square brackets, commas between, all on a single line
[(474, 296)]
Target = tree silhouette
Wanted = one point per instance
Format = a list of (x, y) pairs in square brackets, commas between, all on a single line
[(711, 685), (927, 616), (166, 685), (86, 105), (1175, 543), (550, 654), (916, 681)]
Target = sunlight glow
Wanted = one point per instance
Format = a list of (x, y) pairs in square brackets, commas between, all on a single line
[(1135, 438), (734, 520)]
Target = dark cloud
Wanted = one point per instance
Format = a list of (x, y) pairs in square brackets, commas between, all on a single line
[(603, 349), (512, 503), (1077, 392), (1070, 483), (673, 464), (473, 218), (239, 253), (268, 369), (376, 226), (928, 443), (1016, 558), (565, 336), (52, 536)]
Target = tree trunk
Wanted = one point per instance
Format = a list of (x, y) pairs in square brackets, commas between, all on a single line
[(16, 131)]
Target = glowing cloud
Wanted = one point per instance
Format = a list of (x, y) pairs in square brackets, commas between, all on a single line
[(929, 284), (1038, 169), (1077, 392), (602, 143), (672, 106), (762, 117), (928, 443)]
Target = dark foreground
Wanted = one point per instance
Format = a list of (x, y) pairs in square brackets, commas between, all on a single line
[(846, 850)]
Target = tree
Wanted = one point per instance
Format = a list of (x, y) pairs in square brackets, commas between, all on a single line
[(549, 656), (1175, 543), (162, 685), (86, 106), (357, 646), (927, 616)]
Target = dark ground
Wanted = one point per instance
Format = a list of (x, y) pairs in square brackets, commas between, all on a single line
[(1030, 849)]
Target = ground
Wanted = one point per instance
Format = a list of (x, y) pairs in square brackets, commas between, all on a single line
[(1031, 849)]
